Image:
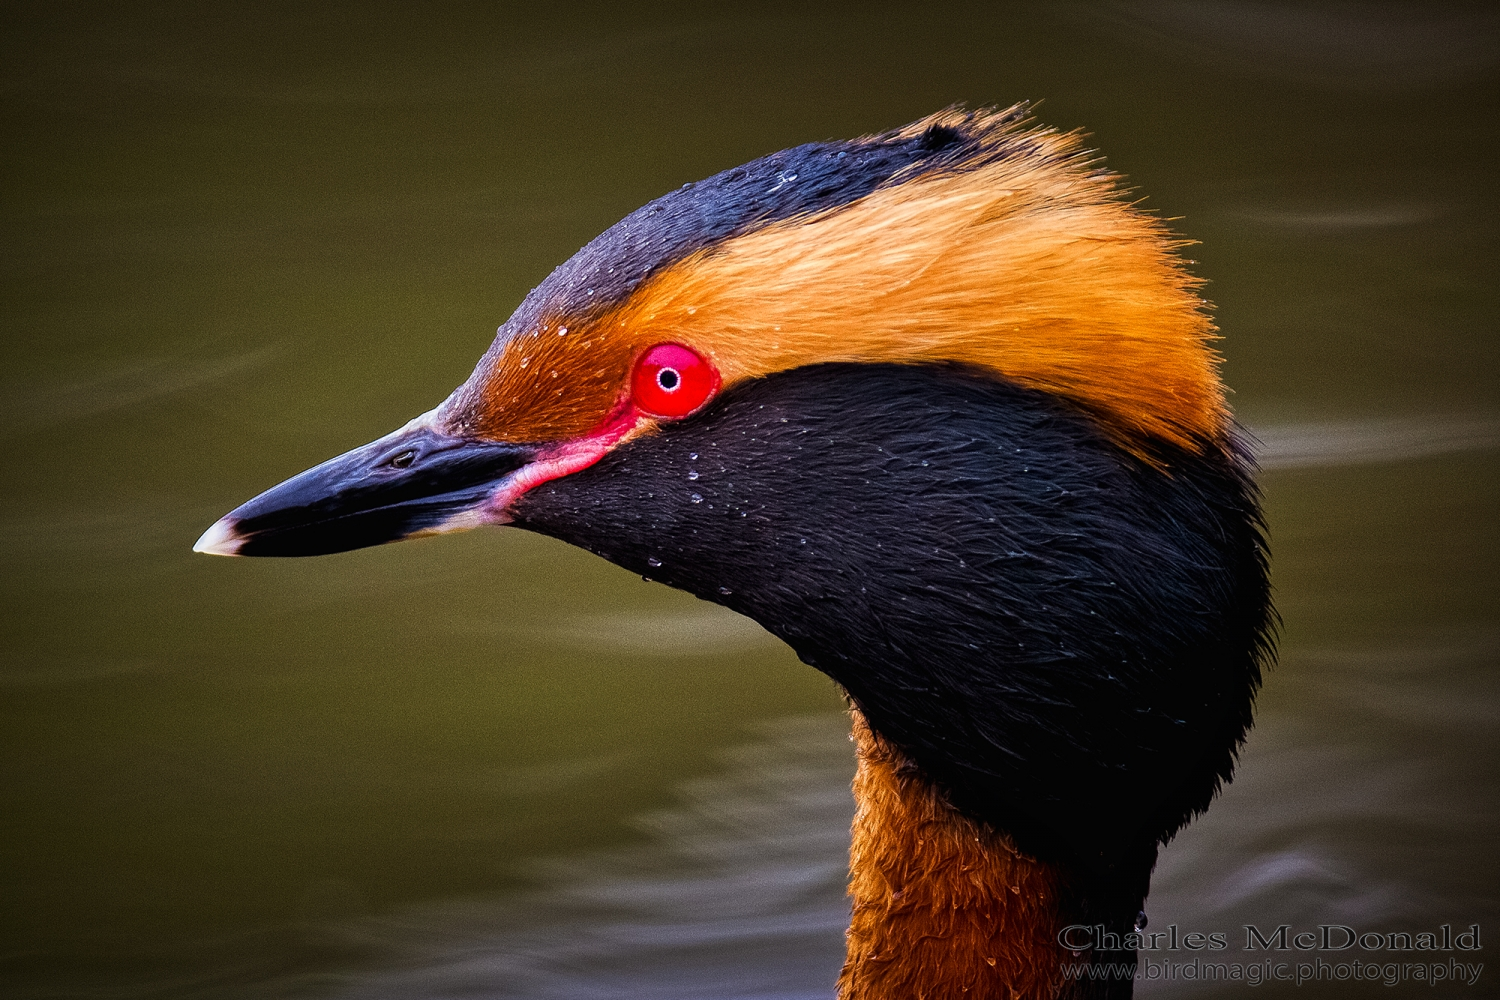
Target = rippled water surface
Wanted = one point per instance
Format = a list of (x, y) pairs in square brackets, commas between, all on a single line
[(238, 241)]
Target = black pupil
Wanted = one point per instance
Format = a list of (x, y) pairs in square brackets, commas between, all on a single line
[(667, 378)]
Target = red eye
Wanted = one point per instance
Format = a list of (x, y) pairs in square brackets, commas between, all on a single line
[(673, 381)]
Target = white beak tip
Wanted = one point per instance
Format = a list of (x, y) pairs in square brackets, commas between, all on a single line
[(221, 539)]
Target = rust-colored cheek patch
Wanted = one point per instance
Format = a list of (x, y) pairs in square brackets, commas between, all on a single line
[(552, 386), (943, 907)]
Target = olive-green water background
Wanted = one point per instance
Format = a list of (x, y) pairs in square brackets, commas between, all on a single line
[(238, 239)]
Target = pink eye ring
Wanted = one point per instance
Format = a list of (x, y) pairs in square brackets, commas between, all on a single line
[(671, 381)]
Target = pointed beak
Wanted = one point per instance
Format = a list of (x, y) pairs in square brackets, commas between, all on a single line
[(415, 481)]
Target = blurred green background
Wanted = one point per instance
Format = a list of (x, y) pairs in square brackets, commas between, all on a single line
[(238, 240)]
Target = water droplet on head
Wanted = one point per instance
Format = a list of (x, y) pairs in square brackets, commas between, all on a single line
[(562, 331), (692, 474), (696, 498), (653, 562), (693, 455), (725, 591)]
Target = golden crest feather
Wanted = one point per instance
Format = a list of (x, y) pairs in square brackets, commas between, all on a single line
[(1024, 260)]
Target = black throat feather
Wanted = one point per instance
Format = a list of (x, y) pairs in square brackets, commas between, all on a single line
[(1066, 639)]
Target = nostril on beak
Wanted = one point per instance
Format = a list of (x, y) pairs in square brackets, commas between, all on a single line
[(403, 460)]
